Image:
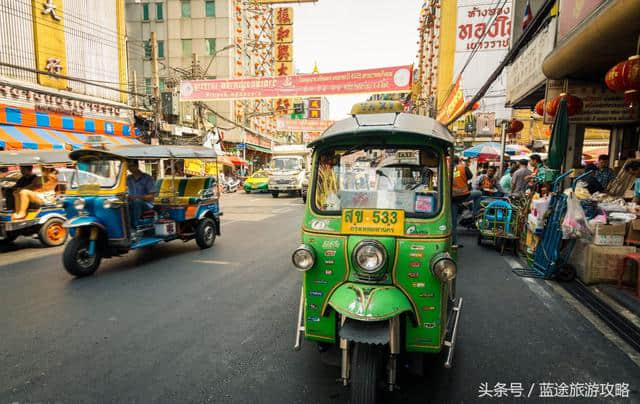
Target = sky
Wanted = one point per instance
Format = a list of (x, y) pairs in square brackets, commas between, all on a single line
[(342, 35)]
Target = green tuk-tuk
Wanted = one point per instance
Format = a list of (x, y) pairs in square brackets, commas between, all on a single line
[(378, 265)]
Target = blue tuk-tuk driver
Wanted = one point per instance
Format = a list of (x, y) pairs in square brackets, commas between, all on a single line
[(141, 190)]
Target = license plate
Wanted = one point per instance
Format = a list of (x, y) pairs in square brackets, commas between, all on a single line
[(380, 222), (282, 182)]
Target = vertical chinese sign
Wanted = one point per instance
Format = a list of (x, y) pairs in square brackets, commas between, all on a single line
[(283, 52), (315, 106), (48, 35)]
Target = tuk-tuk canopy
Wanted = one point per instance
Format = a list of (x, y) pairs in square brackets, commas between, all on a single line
[(387, 123), (149, 152), (33, 157)]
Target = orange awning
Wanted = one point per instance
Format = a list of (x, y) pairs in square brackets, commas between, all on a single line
[(20, 137), (238, 161)]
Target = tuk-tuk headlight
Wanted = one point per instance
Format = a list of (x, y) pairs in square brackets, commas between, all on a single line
[(443, 267), (370, 256), (78, 204), (303, 258)]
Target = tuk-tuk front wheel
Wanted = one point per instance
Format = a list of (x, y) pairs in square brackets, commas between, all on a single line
[(76, 258), (52, 233), (366, 373), (206, 233)]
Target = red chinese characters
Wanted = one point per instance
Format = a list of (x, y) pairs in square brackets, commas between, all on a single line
[(284, 16)]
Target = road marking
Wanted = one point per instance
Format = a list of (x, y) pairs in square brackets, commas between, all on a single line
[(281, 210), (213, 262), (546, 299), (597, 323)]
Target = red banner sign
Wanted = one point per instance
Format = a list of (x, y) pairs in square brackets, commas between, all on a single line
[(303, 125), (383, 80)]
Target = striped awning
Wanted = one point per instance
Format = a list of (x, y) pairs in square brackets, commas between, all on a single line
[(19, 137)]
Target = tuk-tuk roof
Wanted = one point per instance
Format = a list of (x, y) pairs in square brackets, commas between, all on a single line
[(144, 152), (32, 157), (385, 122)]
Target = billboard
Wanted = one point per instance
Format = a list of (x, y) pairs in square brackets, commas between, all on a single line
[(303, 125), (382, 80), (483, 38)]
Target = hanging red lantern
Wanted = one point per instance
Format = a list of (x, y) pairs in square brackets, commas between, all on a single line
[(540, 107), (574, 104), (515, 126), (625, 75)]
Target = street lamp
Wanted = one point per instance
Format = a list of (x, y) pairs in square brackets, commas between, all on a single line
[(204, 74)]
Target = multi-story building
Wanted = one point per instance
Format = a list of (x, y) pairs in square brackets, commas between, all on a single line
[(191, 36), (86, 44)]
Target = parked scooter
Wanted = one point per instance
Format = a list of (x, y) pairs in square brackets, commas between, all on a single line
[(231, 185)]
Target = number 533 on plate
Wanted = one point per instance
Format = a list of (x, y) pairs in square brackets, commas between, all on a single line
[(381, 222)]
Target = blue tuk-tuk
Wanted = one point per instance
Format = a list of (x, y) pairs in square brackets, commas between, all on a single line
[(98, 211), (46, 220)]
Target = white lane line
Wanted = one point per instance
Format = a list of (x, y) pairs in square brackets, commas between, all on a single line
[(213, 262), (281, 210), (546, 299), (532, 284)]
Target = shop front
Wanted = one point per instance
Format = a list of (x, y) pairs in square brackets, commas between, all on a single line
[(34, 118)]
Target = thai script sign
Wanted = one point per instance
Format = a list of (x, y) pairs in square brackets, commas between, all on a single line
[(383, 80), (525, 73), (599, 104), (485, 27), (57, 103)]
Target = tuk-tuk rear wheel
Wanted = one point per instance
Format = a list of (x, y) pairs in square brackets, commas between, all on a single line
[(52, 233), (366, 373), (76, 259), (206, 233)]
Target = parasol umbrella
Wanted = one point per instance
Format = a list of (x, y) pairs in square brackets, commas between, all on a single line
[(489, 150), (517, 149), (559, 136)]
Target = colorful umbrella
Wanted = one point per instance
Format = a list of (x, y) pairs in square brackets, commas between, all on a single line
[(515, 149), (487, 150)]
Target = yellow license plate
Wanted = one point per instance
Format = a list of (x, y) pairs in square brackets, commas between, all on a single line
[(378, 222)]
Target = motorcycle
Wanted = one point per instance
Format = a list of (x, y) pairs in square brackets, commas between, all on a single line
[(231, 185)]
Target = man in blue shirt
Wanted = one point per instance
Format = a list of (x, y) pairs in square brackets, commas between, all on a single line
[(604, 174), (141, 190)]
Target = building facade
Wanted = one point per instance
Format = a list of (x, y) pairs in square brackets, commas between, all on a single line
[(83, 42), (189, 33)]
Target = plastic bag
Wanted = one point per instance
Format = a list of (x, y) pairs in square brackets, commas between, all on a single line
[(574, 224)]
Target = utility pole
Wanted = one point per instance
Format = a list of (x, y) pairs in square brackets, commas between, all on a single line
[(503, 141), (197, 110), (135, 89), (155, 82)]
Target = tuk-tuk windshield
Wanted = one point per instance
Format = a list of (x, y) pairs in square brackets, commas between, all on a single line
[(379, 178), (102, 172)]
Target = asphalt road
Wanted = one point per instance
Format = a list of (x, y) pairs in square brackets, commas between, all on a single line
[(176, 324)]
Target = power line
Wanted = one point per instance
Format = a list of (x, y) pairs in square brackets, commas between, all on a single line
[(60, 76), (475, 50), (533, 27)]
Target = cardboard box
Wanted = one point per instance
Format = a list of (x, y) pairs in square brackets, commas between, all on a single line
[(599, 264), (609, 234), (633, 232)]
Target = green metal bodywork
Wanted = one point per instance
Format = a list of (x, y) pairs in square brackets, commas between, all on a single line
[(408, 288)]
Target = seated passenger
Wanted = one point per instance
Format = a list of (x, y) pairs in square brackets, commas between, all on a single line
[(141, 189), (31, 189)]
